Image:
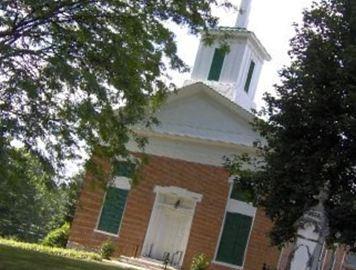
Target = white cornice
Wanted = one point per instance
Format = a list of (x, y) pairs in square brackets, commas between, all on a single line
[(193, 139), (189, 149), (241, 33)]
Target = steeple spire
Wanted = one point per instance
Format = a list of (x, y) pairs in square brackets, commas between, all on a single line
[(244, 13)]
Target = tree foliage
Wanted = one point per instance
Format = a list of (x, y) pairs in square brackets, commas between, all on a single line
[(30, 203), (67, 66), (310, 131)]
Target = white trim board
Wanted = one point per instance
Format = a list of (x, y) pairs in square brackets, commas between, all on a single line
[(226, 264), (121, 182), (106, 233), (184, 148), (178, 191), (243, 208)]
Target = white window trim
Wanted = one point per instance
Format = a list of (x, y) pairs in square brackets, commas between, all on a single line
[(231, 180), (227, 264), (121, 183), (236, 210), (106, 233), (240, 207)]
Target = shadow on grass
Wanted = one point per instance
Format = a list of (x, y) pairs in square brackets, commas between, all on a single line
[(18, 259)]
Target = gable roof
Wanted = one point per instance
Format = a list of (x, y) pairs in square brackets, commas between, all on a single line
[(196, 87), (200, 113)]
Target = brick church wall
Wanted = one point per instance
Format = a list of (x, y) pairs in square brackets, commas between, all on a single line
[(210, 181)]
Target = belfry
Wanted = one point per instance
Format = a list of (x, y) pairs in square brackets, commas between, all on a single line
[(234, 72)]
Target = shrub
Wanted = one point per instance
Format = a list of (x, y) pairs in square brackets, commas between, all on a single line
[(57, 237), (107, 249), (70, 253), (200, 262)]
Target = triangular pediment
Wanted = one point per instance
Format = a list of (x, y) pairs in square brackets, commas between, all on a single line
[(197, 111)]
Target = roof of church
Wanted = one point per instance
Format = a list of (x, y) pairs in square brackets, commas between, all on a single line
[(220, 97)]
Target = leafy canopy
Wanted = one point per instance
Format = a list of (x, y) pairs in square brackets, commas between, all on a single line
[(310, 130), (67, 66), (30, 203)]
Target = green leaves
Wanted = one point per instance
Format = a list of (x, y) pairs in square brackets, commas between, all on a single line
[(31, 204), (84, 71), (311, 128)]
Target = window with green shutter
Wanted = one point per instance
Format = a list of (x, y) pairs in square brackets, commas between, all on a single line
[(124, 168), (240, 194), (112, 210), (234, 239), (216, 65), (249, 76)]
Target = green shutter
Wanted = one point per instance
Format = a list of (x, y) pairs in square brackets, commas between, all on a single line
[(216, 65), (241, 195), (113, 208), (234, 239), (249, 76), (124, 168)]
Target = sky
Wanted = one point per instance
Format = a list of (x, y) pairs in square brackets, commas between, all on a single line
[(271, 21)]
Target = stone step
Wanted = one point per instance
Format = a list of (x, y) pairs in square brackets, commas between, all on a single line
[(144, 263)]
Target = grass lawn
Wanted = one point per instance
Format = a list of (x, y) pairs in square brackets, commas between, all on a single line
[(12, 258)]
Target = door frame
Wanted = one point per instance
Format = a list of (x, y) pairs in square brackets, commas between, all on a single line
[(180, 192)]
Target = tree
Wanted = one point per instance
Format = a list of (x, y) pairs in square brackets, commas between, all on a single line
[(30, 203), (81, 72), (309, 130)]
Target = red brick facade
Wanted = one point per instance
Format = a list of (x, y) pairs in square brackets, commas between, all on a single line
[(209, 181)]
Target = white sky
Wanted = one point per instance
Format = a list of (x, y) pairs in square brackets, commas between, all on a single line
[(270, 20)]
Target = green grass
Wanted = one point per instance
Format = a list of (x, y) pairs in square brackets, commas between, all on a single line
[(64, 252), (16, 258)]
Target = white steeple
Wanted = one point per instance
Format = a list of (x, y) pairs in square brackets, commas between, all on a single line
[(244, 13), (232, 73)]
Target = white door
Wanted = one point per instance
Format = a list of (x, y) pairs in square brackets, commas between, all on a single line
[(169, 229), (173, 227)]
